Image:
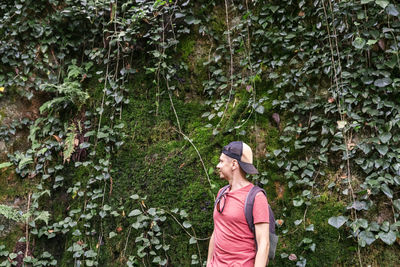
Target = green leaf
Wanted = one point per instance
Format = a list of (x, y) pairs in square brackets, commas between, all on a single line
[(5, 165), (25, 161), (152, 211), (297, 222), (191, 20), (187, 224), (362, 223), (372, 42), (359, 43), (396, 204), (310, 228), (382, 3), (43, 216), (388, 238), (382, 82), (192, 240), (135, 212), (183, 214), (277, 152), (382, 149), (366, 1), (388, 192), (111, 234), (337, 222), (260, 109), (366, 238), (298, 202), (392, 10), (385, 137)]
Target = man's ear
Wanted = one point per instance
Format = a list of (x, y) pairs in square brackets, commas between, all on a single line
[(235, 164)]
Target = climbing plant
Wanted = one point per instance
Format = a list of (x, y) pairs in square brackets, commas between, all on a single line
[(325, 70)]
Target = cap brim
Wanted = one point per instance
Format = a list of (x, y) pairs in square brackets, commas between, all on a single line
[(248, 167)]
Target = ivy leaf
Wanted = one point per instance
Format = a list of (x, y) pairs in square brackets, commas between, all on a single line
[(192, 240), (366, 148), (111, 234), (396, 204), (382, 149), (392, 10), (260, 109), (358, 205), (366, 237), (179, 15), (277, 152), (297, 222), (385, 137), (359, 43), (298, 202), (191, 20), (310, 228), (341, 124), (366, 1), (388, 238), (152, 211), (382, 82), (187, 224), (135, 212), (382, 3), (388, 192), (337, 222)]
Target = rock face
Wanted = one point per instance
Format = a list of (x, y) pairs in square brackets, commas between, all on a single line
[(15, 115)]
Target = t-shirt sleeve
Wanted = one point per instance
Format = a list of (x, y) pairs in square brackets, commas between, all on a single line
[(260, 209)]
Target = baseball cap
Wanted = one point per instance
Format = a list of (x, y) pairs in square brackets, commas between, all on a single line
[(243, 154)]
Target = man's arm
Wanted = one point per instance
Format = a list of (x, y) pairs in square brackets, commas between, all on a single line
[(262, 236), (210, 249)]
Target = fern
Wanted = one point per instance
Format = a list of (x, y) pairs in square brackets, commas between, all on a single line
[(5, 165), (11, 213), (69, 146), (70, 91)]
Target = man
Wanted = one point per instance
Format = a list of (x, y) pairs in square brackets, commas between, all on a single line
[(232, 242)]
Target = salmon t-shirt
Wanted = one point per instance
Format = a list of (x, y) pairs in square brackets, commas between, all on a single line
[(234, 244)]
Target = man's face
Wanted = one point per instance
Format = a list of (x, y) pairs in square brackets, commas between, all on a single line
[(224, 166)]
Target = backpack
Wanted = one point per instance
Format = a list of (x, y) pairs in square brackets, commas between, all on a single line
[(248, 213)]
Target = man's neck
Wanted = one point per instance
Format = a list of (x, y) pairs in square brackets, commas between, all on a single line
[(238, 182)]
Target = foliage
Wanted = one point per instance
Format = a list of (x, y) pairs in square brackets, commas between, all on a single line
[(125, 84)]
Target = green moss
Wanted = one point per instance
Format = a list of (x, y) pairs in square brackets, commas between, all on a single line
[(186, 47), (12, 238), (218, 20), (332, 245), (11, 185), (2, 115)]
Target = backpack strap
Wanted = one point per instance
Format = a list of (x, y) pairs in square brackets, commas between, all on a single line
[(248, 206), (248, 213), (221, 192)]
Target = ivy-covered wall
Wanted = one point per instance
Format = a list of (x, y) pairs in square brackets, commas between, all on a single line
[(113, 115)]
